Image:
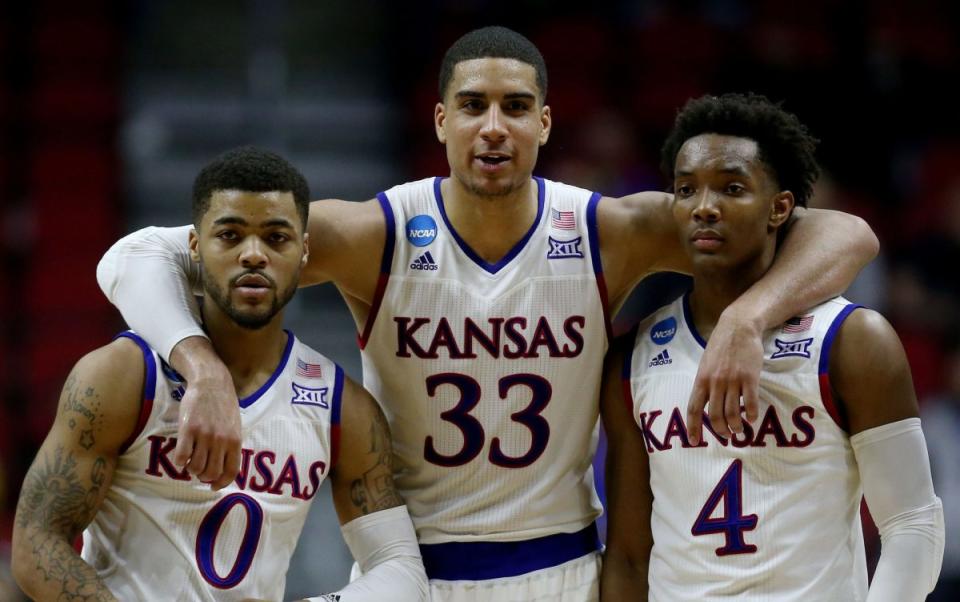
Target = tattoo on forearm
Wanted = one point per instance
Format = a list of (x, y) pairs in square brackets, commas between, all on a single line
[(57, 501), (374, 491)]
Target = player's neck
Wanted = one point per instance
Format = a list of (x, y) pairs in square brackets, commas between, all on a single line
[(250, 355), (715, 289), (490, 225)]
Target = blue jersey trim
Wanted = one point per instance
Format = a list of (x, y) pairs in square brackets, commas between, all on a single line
[(688, 318), (824, 365), (337, 393), (387, 260), (593, 232), (479, 560), (249, 400), (150, 382), (493, 268)]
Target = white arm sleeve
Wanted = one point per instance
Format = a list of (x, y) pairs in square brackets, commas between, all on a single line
[(895, 473), (385, 545), (151, 279)]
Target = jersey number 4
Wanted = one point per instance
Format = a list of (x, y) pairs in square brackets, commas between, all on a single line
[(472, 430), (732, 523)]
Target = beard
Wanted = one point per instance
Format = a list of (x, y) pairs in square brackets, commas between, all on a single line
[(251, 320), (478, 187)]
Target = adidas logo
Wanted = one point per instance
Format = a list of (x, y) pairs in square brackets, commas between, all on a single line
[(424, 262), (662, 359)]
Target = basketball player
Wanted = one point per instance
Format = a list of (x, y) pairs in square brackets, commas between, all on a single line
[(482, 302), (771, 513), (154, 532)]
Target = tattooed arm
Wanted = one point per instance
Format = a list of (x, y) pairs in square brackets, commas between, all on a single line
[(363, 476), (70, 476), (375, 523)]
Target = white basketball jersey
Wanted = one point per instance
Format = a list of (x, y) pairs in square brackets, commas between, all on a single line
[(772, 514), (489, 373), (163, 535)]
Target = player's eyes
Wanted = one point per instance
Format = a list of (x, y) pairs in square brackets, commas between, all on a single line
[(278, 237), (735, 189), (228, 235), (683, 190)]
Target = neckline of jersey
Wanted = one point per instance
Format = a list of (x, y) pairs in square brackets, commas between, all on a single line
[(491, 268), (688, 318), (249, 400)]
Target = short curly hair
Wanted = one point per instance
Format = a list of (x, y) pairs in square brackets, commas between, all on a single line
[(784, 143), (493, 42), (250, 169)]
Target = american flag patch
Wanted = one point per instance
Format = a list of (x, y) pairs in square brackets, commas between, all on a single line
[(562, 220), (797, 324), (307, 369)]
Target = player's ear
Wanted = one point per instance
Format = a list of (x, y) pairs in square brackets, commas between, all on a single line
[(194, 245), (439, 119), (306, 250), (546, 122), (781, 206)]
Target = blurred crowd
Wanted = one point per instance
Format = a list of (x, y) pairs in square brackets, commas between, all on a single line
[(869, 78)]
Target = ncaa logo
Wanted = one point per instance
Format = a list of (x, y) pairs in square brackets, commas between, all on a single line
[(663, 331), (421, 230)]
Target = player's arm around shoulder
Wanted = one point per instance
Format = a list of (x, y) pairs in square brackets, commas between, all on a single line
[(346, 244), (638, 236), (374, 520), (629, 499), (870, 375), (69, 478)]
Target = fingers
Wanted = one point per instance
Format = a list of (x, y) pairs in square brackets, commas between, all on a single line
[(724, 402), (751, 397), (731, 408), (695, 405), (185, 441), (212, 457), (716, 408), (223, 464), (231, 467)]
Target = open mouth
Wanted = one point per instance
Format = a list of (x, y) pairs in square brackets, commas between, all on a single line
[(493, 159)]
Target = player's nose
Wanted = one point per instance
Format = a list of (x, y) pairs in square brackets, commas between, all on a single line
[(253, 252)]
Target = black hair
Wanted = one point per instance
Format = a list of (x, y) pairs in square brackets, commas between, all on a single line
[(493, 42), (784, 144), (250, 169)]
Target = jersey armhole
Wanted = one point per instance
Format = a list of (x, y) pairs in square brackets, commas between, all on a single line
[(594, 233), (386, 262), (627, 343), (834, 405), (149, 387), (335, 416)]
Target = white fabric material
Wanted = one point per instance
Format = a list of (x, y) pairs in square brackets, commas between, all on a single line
[(789, 477), (895, 472), (517, 347), (385, 546), (151, 279), (163, 535)]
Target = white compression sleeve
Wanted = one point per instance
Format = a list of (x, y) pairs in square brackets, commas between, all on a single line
[(151, 279), (385, 545), (895, 473)]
